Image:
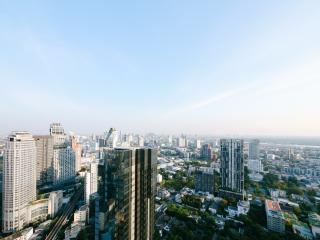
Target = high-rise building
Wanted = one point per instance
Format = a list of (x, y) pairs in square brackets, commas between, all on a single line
[(206, 152), (182, 142), (82, 214), (198, 144), (169, 140), (232, 168), (19, 180), (111, 138), (127, 140), (290, 153), (140, 141), (44, 149), (94, 216), (63, 155), (205, 179), (77, 149), (254, 149), (91, 181), (275, 218), (130, 176)]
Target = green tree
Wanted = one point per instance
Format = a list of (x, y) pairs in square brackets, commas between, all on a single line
[(83, 235)]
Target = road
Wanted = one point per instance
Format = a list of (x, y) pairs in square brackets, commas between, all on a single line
[(66, 214)]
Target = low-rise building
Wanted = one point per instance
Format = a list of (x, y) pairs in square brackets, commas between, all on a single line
[(43, 208), (163, 193), (277, 193), (159, 178), (81, 215), (24, 234), (255, 165), (73, 230), (302, 229), (314, 222), (256, 177), (243, 207), (275, 219)]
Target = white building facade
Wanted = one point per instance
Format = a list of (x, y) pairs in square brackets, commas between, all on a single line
[(91, 181), (19, 180), (64, 168)]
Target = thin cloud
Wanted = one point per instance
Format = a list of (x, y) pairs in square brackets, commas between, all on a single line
[(285, 81), (217, 98)]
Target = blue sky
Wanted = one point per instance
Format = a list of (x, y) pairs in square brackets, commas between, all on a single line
[(201, 67)]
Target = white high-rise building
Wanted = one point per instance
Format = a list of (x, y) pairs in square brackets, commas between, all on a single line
[(19, 180), (170, 141), (141, 141), (198, 144), (127, 140), (64, 168), (182, 142), (77, 148), (91, 181)]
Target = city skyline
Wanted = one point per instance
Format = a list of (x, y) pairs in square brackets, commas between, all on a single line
[(204, 68)]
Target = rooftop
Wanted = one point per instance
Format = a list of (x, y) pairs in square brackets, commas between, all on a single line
[(273, 209), (314, 219), (273, 205)]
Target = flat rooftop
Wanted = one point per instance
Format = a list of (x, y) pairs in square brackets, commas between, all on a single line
[(273, 209), (314, 219), (273, 205)]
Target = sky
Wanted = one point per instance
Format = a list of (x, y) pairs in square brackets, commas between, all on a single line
[(168, 67)]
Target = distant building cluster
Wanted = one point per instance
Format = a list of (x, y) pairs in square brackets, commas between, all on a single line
[(30, 161), (128, 186)]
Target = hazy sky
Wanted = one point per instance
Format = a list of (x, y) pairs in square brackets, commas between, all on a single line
[(204, 67)]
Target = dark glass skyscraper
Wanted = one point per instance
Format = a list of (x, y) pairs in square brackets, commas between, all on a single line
[(130, 188), (232, 168), (254, 149), (204, 179)]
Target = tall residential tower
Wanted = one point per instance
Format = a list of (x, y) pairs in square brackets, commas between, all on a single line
[(44, 149), (19, 180), (232, 168), (130, 183), (254, 149), (64, 168)]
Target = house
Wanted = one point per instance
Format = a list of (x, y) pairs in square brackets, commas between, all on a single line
[(302, 229), (314, 222)]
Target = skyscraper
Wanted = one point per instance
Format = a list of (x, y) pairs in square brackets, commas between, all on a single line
[(232, 168), (130, 177), (182, 142), (63, 155), (169, 140), (140, 141), (205, 180), (19, 179), (44, 149), (111, 138), (77, 148), (91, 181), (198, 144), (206, 152), (254, 149)]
